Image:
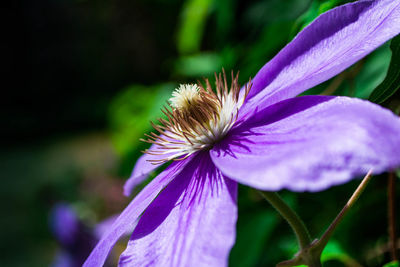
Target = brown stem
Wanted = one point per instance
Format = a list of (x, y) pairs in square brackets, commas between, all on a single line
[(392, 215), (311, 255), (328, 233)]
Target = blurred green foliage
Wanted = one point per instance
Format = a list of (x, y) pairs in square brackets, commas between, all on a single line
[(197, 65), (315, 9), (392, 264), (334, 252), (392, 81), (130, 114), (179, 41), (193, 18)]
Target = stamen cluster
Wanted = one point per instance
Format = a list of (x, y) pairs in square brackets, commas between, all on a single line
[(197, 118)]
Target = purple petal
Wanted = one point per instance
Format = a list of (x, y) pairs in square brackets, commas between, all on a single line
[(191, 223), (142, 169), (333, 42), (128, 218), (310, 143), (102, 227), (140, 172)]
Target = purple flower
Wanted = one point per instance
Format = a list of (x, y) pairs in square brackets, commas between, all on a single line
[(268, 139), (75, 238)]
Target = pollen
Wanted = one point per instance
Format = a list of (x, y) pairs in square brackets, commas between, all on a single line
[(196, 118)]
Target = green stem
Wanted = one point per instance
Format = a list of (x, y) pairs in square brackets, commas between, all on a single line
[(302, 234)]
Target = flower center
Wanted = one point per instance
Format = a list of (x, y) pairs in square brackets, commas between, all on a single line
[(197, 118), (185, 96)]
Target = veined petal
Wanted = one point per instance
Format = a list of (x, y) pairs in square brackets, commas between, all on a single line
[(333, 42), (129, 217), (310, 143), (191, 222)]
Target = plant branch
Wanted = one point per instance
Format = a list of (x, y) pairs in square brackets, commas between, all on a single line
[(328, 233), (392, 215), (298, 226), (311, 254)]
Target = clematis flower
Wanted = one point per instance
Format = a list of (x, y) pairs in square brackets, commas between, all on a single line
[(261, 136)]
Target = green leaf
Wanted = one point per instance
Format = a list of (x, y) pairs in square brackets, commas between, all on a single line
[(193, 20), (334, 252), (315, 9), (373, 71), (392, 81), (198, 65), (392, 264)]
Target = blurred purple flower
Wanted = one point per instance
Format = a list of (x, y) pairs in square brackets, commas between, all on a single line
[(75, 238), (269, 140)]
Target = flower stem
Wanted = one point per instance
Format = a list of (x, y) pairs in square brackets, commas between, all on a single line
[(298, 226), (328, 233), (392, 215), (310, 254)]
